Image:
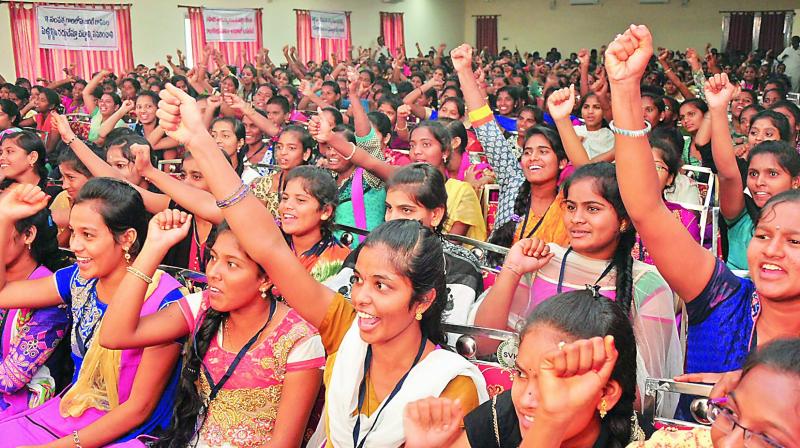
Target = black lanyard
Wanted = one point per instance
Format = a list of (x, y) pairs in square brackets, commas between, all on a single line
[(362, 391), (215, 388), (262, 148), (564, 267), (536, 227)]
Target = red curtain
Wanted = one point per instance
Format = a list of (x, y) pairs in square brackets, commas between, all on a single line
[(33, 62), (771, 33), (234, 53), (486, 33), (392, 31), (740, 31), (318, 49)]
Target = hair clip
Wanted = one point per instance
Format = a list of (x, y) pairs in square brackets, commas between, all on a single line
[(594, 289), (515, 217)]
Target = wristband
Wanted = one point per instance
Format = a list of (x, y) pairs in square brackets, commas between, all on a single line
[(630, 133), (480, 113), (512, 268), (72, 140)]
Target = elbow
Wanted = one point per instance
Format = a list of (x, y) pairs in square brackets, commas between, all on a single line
[(111, 340), (138, 411)]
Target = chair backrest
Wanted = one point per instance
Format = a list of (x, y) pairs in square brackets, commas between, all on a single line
[(489, 197), (706, 181)]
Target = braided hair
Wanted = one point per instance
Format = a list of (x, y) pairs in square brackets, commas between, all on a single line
[(189, 414), (504, 235), (604, 176)]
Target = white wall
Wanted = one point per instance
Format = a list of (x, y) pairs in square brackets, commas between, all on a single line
[(537, 25), (158, 25)]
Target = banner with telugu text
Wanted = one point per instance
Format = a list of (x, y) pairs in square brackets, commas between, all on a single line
[(328, 25), (230, 25), (77, 28)]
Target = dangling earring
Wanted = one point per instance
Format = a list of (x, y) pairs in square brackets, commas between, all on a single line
[(603, 408), (127, 255), (623, 227), (263, 293), (418, 316)]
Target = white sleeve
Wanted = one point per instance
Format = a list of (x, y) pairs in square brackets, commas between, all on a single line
[(309, 350)]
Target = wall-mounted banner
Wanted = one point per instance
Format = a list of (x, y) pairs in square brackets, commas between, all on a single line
[(230, 25), (77, 28), (328, 25)]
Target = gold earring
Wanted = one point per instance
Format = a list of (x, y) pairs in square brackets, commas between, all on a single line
[(127, 255), (603, 408), (418, 316), (623, 227), (263, 293)]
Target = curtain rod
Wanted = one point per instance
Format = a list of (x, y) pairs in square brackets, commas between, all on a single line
[(309, 10), (203, 7), (89, 5), (769, 10)]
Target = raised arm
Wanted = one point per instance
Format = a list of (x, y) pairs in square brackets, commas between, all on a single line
[(111, 122), (250, 221), (354, 91), (719, 92), (583, 57), (266, 125), (321, 131), (663, 59), (197, 201), (122, 327), (683, 263), (96, 165), (560, 105), (525, 256), (89, 101), (19, 202)]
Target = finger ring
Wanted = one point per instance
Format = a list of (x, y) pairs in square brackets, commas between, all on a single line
[(561, 345)]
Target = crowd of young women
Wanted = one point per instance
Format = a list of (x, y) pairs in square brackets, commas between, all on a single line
[(333, 228)]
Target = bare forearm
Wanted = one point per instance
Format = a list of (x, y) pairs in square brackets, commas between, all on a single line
[(572, 143)]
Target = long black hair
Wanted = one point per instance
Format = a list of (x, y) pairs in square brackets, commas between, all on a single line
[(318, 183), (44, 248), (504, 235), (583, 315), (240, 133), (604, 177), (416, 253), (189, 410), (425, 184), (120, 206), (30, 142), (782, 355)]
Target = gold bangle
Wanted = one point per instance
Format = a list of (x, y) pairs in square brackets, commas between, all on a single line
[(139, 274)]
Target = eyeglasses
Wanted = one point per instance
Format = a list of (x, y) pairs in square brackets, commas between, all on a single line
[(726, 421)]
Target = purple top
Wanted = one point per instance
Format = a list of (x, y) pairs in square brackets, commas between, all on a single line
[(687, 217), (29, 337)]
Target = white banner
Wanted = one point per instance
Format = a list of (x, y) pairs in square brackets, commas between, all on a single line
[(328, 25), (77, 28), (230, 25)]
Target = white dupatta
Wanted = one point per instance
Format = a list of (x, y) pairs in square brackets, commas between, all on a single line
[(428, 378)]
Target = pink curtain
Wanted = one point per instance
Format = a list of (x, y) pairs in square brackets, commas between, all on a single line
[(318, 49), (392, 31), (33, 62), (234, 53), (771, 34), (486, 33)]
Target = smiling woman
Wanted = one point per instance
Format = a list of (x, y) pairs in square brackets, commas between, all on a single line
[(599, 254)]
